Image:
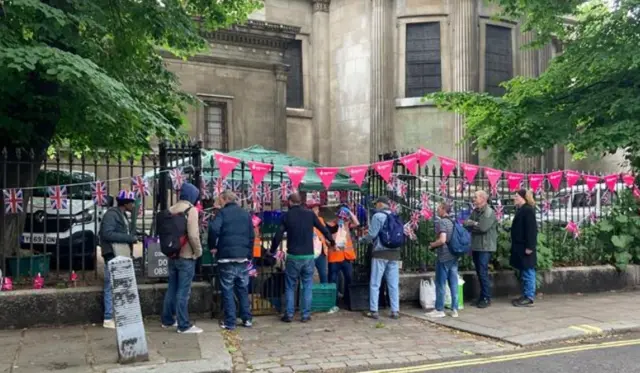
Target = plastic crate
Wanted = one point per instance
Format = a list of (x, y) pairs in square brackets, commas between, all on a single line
[(29, 265), (324, 297)]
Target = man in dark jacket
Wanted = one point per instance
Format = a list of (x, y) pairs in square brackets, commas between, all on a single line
[(298, 223), (115, 240), (231, 238)]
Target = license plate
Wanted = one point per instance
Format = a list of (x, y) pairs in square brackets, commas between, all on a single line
[(39, 239)]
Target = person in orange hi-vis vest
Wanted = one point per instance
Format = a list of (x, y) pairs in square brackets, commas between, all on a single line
[(320, 247), (257, 241), (343, 254)]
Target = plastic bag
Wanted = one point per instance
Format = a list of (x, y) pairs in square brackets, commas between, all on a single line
[(427, 294), (317, 245), (341, 237), (447, 295)]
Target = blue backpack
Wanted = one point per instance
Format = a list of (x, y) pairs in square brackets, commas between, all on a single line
[(392, 232), (460, 242)]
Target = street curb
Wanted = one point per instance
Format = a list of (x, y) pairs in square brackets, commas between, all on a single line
[(533, 339), (193, 366)]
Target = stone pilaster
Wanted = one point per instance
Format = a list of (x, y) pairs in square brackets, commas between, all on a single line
[(321, 80), (465, 54), (382, 136), (280, 114)]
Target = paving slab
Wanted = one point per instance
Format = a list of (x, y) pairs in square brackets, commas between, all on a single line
[(347, 341), (552, 319)]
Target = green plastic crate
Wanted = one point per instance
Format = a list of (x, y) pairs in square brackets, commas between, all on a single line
[(29, 265), (324, 297)]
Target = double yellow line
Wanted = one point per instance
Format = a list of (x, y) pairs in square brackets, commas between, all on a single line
[(505, 358)]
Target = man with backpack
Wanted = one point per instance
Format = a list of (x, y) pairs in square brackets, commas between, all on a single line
[(451, 243), (386, 233), (179, 232), (231, 240)]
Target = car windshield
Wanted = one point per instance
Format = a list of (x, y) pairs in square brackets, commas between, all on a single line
[(63, 177)]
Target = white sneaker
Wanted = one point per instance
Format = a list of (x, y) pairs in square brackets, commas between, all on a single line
[(334, 309), (454, 313), (192, 330), (435, 314), (109, 324), (175, 325)]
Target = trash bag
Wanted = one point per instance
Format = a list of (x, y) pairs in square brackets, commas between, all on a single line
[(427, 294)]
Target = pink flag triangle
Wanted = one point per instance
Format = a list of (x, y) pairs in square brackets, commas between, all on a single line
[(470, 171), (591, 181), (447, 165), (423, 156), (383, 168), (296, 174), (611, 181), (410, 161), (259, 170), (572, 178), (514, 180), (628, 179), (535, 181), (555, 178), (226, 163), (492, 175), (357, 173), (326, 175)]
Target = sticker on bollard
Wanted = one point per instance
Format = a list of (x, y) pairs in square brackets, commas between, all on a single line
[(130, 334)]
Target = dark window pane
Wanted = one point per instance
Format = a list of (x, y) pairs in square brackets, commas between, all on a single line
[(422, 59), (293, 58), (498, 59), (215, 126)]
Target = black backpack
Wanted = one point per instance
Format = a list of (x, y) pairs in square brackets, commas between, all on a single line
[(172, 231)]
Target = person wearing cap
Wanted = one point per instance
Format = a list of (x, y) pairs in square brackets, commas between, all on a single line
[(116, 240), (175, 310), (320, 246), (343, 254), (385, 262)]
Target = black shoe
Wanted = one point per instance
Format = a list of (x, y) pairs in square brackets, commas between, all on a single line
[(522, 302), (483, 303), (305, 319), (286, 318)]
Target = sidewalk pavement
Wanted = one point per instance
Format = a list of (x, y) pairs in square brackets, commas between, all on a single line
[(92, 349), (552, 319)]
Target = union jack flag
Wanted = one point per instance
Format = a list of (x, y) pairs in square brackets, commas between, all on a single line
[(235, 186), (588, 196), (285, 190), (494, 190), (443, 188), (58, 197), (409, 232), (177, 178), (572, 228), (463, 185), (12, 200), (593, 217), (424, 200), (392, 183), (606, 198), (251, 270), (315, 197), (401, 188), (219, 186), (254, 191), (426, 213), (394, 207), (546, 207), (204, 189), (415, 219), (499, 210), (204, 220), (140, 185), (267, 194), (98, 192)]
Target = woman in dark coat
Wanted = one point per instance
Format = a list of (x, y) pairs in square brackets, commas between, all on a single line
[(524, 237)]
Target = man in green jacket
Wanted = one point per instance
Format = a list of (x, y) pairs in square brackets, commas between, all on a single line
[(483, 226)]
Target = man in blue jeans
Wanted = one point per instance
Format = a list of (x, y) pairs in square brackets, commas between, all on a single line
[(298, 223), (385, 262), (231, 236), (483, 226), (182, 269)]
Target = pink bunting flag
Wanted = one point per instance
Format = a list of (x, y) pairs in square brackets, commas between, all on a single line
[(535, 182), (38, 281), (493, 176), (572, 178), (259, 170), (628, 180), (383, 168), (447, 165), (410, 162), (7, 284), (591, 181), (572, 228), (296, 174), (555, 178), (426, 213), (514, 180), (424, 156), (611, 181), (470, 172), (326, 175), (226, 164)]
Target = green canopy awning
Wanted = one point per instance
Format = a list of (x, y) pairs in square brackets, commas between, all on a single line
[(241, 173)]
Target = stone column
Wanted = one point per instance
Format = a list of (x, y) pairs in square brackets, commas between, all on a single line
[(321, 80), (465, 72), (280, 114), (528, 66), (381, 138)]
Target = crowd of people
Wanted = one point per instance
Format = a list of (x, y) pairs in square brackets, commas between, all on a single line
[(315, 245)]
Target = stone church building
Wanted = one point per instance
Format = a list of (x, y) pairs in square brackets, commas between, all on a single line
[(340, 81)]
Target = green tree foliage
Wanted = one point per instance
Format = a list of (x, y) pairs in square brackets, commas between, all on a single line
[(87, 74), (588, 98)]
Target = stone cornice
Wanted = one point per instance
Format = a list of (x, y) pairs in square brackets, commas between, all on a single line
[(321, 5), (257, 34), (224, 61)]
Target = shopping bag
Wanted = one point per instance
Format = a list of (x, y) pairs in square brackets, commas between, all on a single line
[(447, 295), (341, 237), (427, 294)]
